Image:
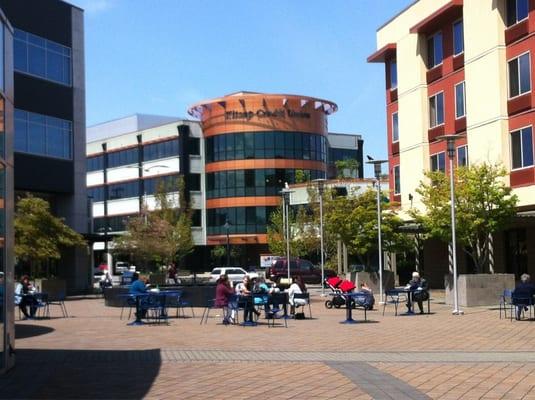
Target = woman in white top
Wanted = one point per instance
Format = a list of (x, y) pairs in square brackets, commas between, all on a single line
[(297, 287)]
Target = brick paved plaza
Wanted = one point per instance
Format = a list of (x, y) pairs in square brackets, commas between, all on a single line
[(94, 354)]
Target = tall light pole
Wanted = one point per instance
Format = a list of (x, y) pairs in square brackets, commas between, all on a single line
[(286, 215), (227, 227), (377, 171), (450, 140), (321, 187)]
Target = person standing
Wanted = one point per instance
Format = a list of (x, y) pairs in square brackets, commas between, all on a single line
[(523, 295), (171, 273)]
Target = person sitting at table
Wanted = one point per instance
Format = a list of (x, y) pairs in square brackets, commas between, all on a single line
[(523, 295), (223, 292), (137, 287), (261, 288), (244, 289), (370, 299), (418, 290), (297, 287), (24, 297)]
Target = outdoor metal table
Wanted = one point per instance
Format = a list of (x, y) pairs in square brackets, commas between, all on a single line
[(139, 296), (349, 309)]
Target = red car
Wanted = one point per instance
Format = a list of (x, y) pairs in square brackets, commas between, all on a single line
[(298, 267)]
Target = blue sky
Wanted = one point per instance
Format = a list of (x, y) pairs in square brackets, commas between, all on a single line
[(160, 56)]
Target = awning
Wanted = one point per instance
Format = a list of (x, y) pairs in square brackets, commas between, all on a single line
[(449, 11), (383, 53)]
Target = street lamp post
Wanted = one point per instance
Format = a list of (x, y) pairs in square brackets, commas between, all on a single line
[(450, 141), (286, 216), (227, 227), (377, 171), (321, 187)]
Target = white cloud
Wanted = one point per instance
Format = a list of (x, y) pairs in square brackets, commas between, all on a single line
[(95, 6)]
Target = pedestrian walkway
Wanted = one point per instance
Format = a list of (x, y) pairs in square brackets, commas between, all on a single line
[(95, 355)]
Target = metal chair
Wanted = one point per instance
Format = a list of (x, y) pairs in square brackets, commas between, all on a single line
[(59, 300), (278, 304), (522, 301), (185, 301), (306, 297), (129, 302), (396, 297), (506, 301)]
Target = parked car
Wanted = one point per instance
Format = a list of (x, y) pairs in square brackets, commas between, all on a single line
[(235, 274), (121, 266), (298, 267)]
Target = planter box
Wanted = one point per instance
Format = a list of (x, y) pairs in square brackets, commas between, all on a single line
[(478, 289), (372, 280), (56, 288)]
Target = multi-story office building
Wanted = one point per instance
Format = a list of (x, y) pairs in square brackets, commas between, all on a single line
[(49, 100), (255, 143), (7, 325), (463, 67), (249, 146), (128, 158)]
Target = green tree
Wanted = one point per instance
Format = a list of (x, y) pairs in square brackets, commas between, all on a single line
[(353, 220), (217, 254), (39, 235), (483, 205), (346, 168), (164, 235), (304, 234)]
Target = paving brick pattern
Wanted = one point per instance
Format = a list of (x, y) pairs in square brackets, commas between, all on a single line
[(94, 354)]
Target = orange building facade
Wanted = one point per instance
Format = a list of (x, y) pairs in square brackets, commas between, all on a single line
[(254, 144)]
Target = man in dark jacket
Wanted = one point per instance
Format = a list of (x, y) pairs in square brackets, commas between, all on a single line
[(523, 295), (418, 290)]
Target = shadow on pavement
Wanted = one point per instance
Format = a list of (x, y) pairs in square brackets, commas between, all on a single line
[(23, 331), (81, 374)]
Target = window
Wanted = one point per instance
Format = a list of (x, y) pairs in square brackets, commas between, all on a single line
[(114, 224), (462, 156), (397, 183), (43, 135), (436, 110), (517, 10), (196, 218), (97, 193), (95, 163), (519, 75), (123, 157), (193, 181), (434, 50), (438, 162), (460, 108), (268, 145), (194, 146), (241, 220), (155, 151), (458, 38), (395, 127), (393, 74), (522, 148), (123, 190), (168, 183), (41, 57)]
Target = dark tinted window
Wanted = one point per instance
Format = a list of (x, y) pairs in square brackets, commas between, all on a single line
[(122, 157), (95, 163), (154, 151), (123, 190), (289, 145), (241, 220)]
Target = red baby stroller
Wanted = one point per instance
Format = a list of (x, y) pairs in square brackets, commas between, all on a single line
[(339, 288)]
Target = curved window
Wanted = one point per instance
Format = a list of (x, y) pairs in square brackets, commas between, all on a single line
[(266, 145), (241, 220), (255, 182)]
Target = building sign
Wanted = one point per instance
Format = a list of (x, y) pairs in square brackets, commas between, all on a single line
[(262, 113)]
